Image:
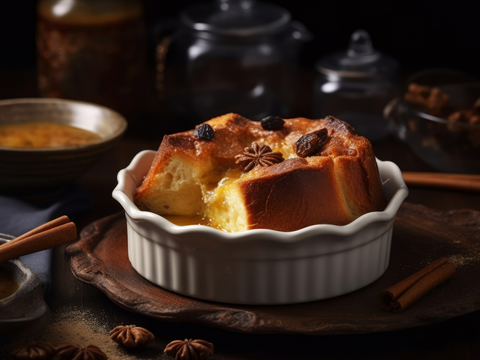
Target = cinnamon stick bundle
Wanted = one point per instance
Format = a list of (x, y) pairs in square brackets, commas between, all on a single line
[(46, 236), (400, 296)]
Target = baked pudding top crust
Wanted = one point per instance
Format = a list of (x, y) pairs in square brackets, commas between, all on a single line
[(334, 185)]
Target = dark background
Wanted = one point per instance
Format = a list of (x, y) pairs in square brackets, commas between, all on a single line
[(419, 34)]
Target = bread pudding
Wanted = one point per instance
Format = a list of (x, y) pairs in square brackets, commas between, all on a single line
[(279, 174)]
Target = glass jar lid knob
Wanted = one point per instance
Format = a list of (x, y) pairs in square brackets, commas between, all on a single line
[(360, 60), (360, 49), (360, 44)]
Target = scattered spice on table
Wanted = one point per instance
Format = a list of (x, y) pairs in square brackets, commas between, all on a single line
[(81, 327)]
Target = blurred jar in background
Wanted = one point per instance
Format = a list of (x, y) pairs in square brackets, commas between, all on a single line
[(355, 86), (93, 50), (232, 56)]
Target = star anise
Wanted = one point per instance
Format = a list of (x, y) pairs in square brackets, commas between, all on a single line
[(189, 349), (131, 335), (79, 352), (33, 351), (258, 156)]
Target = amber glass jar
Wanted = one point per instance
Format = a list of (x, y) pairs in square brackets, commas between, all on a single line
[(94, 51)]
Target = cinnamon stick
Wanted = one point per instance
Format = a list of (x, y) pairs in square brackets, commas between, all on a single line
[(49, 225), (447, 181), (46, 236), (400, 296)]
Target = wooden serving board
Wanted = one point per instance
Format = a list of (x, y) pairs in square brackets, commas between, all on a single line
[(421, 235)]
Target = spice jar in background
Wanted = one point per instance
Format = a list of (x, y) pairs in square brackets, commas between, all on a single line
[(355, 86), (93, 51)]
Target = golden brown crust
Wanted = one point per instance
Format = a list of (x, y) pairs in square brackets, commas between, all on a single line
[(336, 186), (295, 194)]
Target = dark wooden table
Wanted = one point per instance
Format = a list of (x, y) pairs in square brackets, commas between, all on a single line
[(457, 338)]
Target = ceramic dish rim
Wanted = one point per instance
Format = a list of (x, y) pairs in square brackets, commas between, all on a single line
[(120, 194)]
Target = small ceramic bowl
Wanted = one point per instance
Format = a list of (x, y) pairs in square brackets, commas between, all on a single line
[(31, 170), (259, 266), (25, 312)]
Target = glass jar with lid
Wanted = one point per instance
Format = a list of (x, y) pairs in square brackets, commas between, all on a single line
[(233, 56), (355, 85)]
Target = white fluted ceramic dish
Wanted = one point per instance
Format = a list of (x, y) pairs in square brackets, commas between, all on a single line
[(259, 266)]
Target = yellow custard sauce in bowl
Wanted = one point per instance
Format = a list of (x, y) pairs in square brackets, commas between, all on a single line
[(44, 134), (46, 144), (8, 285)]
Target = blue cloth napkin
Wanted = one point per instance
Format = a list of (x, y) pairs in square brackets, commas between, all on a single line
[(18, 216)]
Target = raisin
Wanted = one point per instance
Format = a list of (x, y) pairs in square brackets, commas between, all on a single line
[(330, 119), (311, 144), (204, 132), (272, 123), (306, 145)]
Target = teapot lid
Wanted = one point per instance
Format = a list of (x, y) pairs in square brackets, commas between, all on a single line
[(360, 60), (236, 17)]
